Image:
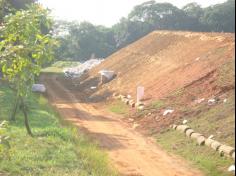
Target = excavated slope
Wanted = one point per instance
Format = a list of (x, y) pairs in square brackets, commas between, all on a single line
[(164, 61)]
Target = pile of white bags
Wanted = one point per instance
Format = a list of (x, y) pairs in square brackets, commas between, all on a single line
[(79, 70)]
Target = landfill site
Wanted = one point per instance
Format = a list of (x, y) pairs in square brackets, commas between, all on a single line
[(168, 83)]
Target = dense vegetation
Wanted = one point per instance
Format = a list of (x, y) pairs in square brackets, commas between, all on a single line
[(81, 40), (54, 150), (25, 47)]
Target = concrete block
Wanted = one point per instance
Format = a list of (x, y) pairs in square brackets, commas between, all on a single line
[(215, 145), (189, 132), (195, 135), (225, 150), (182, 128), (208, 142)]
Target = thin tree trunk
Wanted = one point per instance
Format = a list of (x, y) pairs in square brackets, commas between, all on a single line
[(14, 110), (26, 120)]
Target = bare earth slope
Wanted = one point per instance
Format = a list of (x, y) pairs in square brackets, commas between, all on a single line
[(164, 61), (131, 153)]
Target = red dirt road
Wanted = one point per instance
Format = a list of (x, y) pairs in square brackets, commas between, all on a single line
[(130, 153)]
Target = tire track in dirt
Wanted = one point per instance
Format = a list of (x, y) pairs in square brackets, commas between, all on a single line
[(131, 153)]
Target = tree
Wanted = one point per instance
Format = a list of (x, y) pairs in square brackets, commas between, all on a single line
[(24, 49), (220, 17), (158, 15), (193, 9), (128, 31), (11, 6), (80, 40)]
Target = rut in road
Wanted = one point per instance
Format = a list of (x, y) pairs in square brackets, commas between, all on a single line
[(130, 152)]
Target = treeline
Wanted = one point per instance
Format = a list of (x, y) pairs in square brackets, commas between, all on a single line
[(80, 40)]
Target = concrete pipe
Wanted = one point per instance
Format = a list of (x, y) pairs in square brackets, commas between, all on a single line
[(195, 135), (201, 140), (215, 145), (183, 128), (174, 126), (189, 132), (208, 142), (226, 150)]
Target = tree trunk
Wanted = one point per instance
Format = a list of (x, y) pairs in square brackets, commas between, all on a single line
[(26, 120), (14, 110)]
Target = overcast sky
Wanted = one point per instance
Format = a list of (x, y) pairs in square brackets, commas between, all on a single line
[(104, 12)]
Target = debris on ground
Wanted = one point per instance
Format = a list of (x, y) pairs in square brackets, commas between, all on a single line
[(225, 100), (129, 96), (93, 87), (131, 120), (211, 102), (168, 111), (211, 137), (185, 122), (38, 88), (231, 168), (199, 100)]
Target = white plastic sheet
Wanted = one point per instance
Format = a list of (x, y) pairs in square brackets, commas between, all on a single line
[(82, 68), (168, 111)]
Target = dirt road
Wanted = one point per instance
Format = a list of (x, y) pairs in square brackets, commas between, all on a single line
[(131, 153)]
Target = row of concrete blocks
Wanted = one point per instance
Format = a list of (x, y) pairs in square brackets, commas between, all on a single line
[(129, 101), (224, 150)]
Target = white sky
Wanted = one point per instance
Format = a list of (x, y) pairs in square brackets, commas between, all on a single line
[(104, 12)]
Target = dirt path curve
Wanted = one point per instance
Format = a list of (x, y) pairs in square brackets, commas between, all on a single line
[(130, 152)]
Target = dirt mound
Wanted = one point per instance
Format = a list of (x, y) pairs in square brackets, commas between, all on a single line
[(164, 61)]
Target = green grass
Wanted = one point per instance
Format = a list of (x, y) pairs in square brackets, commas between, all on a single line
[(55, 149), (63, 64), (58, 66), (201, 157), (158, 104), (226, 74), (119, 107)]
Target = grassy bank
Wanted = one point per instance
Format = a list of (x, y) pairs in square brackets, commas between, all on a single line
[(55, 149), (118, 107), (58, 66)]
